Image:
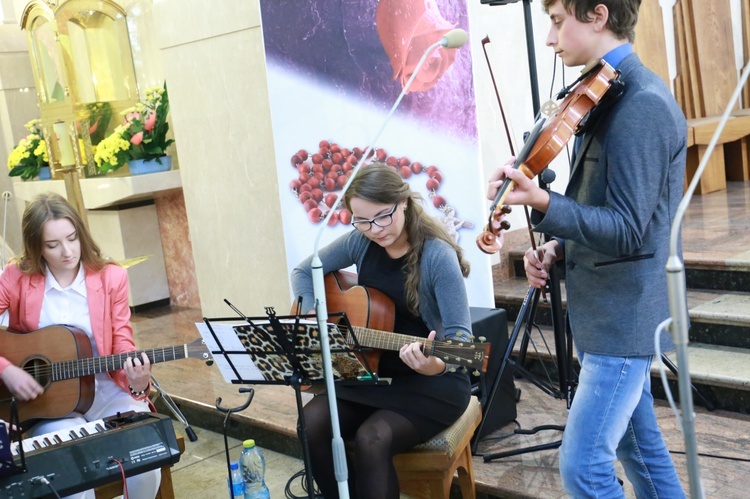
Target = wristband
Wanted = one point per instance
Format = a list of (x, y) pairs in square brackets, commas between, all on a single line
[(137, 393)]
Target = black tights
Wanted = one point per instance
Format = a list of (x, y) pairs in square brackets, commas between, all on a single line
[(378, 435)]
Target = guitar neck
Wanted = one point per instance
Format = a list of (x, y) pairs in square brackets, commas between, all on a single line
[(94, 365), (373, 338), (467, 354)]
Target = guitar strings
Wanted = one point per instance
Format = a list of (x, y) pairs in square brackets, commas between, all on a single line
[(92, 365)]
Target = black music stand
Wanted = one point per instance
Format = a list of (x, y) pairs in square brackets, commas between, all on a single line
[(12, 435), (286, 350)]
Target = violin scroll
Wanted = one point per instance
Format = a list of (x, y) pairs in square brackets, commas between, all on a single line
[(488, 241)]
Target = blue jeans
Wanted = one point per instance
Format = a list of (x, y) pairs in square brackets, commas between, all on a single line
[(612, 417)]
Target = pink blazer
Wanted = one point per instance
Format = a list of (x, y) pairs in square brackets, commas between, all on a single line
[(107, 290)]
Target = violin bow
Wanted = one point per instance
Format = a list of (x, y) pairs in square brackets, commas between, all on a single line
[(485, 41)]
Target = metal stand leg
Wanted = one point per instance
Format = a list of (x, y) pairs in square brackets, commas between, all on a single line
[(525, 318), (173, 407)]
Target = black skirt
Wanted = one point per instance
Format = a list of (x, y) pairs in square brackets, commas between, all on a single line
[(431, 403)]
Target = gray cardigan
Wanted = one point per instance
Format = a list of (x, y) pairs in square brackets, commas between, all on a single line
[(615, 218), (443, 303)]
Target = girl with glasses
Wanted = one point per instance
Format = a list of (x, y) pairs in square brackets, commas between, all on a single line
[(403, 252)]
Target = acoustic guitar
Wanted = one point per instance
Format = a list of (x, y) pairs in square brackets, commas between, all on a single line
[(371, 315), (60, 358)]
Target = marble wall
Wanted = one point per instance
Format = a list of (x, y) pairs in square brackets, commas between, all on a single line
[(178, 249), (215, 65), (17, 107)]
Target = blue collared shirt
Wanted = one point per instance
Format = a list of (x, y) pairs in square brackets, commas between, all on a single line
[(615, 56)]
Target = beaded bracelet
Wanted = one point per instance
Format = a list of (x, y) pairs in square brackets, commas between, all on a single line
[(137, 393)]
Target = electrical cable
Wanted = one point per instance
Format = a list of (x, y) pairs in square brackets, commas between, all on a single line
[(288, 488), (714, 456), (124, 478)]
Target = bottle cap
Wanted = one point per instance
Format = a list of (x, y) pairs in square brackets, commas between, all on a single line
[(249, 443), (234, 465)]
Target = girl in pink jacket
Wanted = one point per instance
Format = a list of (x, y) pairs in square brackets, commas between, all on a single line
[(62, 278)]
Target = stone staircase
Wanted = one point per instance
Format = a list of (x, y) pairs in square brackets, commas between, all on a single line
[(718, 292)]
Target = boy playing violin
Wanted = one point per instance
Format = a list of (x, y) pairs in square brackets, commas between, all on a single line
[(611, 233)]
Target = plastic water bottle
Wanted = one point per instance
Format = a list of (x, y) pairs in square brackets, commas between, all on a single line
[(236, 482), (253, 466)]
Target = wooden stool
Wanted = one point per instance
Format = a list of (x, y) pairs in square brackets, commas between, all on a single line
[(166, 491), (427, 470)]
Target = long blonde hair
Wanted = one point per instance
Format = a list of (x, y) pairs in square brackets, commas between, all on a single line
[(380, 183), (50, 206)]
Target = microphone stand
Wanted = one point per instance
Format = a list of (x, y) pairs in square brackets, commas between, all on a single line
[(453, 39), (678, 304)]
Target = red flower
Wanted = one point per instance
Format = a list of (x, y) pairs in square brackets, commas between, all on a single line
[(136, 139), (150, 122), (406, 28)]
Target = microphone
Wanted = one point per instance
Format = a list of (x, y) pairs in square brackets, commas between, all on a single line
[(454, 38)]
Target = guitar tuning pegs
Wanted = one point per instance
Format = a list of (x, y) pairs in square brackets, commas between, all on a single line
[(452, 369), (475, 373), (482, 339)]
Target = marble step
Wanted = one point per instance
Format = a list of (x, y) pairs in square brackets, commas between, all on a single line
[(714, 365), (703, 270), (720, 373), (717, 317)]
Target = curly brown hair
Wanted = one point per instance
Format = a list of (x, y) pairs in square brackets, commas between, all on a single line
[(623, 14), (380, 183)]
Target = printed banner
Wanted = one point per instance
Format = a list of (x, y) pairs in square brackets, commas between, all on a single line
[(335, 69)]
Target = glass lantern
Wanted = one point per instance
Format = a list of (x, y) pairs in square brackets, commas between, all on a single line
[(83, 67)]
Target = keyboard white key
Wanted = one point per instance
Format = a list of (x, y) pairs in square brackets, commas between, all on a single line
[(58, 437)]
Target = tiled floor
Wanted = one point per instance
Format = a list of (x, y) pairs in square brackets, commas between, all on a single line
[(202, 469), (715, 228), (723, 440)]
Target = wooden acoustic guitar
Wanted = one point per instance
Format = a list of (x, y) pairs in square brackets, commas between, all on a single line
[(371, 315), (60, 358)]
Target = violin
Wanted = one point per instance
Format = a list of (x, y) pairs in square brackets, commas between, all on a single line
[(549, 136)]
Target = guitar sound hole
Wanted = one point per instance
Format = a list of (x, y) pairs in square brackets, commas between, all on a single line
[(39, 369)]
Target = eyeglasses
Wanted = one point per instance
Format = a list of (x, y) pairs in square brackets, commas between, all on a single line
[(381, 221)]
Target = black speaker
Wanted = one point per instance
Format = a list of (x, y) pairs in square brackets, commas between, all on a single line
[(492, 324)]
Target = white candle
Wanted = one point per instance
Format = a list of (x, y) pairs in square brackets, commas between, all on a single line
[(67, 158)]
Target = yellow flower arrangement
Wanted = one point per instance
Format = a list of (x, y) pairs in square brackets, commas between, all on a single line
[(141, 136), (30, 154)]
